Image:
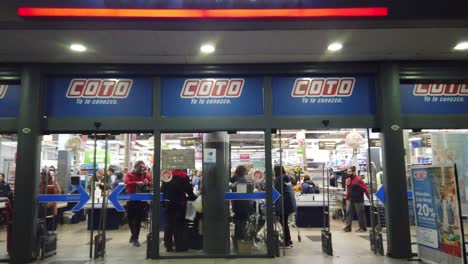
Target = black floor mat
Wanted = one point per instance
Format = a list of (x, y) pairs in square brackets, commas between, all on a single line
[(315, 238)]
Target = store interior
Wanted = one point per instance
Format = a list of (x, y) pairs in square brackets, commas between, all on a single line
[(323, 155)]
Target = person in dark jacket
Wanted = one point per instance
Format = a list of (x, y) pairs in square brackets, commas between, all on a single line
[(242, 209), (118, 180), (355, 190), (5, 189), (308, 186), (287, 199), (176, 192)]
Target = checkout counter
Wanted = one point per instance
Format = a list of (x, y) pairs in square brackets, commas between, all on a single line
[(310, 207)]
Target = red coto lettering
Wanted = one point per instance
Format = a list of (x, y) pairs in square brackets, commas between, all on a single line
[(194, 88), (99, 88)]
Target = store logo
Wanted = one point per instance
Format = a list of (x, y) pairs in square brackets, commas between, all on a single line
[(212, 88), (420, 174), (99, 88), (315, 87), (3, 90), (440, 89)]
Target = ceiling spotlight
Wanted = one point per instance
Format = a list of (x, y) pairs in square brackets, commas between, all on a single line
[(336, 46), (461, 46), (207, 48), (77, 47)]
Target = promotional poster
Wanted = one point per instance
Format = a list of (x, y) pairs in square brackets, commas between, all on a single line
[(99, 97), (323, 96), (203, 97), (437, 210)]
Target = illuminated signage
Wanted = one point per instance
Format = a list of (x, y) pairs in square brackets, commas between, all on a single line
[(231, 9)]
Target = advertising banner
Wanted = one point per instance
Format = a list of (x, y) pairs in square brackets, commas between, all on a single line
[(437, 210), (9, 100), (434, 98), (182, 97), (100, 157), (323, 96), (98, 97)]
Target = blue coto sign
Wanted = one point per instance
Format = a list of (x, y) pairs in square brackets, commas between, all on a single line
[(323, 96), (434, 98), (9, 100), (212, 97), (98, 97)]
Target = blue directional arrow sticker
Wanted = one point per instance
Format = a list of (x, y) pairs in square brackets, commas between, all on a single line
[(115, 197), (251, 196), (381, 194), (82, 198)]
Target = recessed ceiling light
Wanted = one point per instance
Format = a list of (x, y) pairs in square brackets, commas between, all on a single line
[(77, 47), (336, 46), (461, 46), (207, 48)]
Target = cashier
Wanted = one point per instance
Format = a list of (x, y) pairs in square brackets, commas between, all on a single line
[(308, 186)]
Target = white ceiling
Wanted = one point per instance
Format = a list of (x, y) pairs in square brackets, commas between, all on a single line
[(263, 46)]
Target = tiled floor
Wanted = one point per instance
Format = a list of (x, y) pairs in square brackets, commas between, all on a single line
[(73, 248)]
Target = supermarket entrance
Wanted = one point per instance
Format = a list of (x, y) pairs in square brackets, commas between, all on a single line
[(317, 164)]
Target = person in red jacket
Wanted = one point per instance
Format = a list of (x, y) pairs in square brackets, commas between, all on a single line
[(355, 190), (137, 181)]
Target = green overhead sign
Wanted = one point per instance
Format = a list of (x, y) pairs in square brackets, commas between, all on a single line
[(100, 157)]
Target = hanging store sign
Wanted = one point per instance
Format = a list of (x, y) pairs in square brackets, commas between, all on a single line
[(177, 159), (97, 97), (244, 157), (434, 98), (212, 97), (9, 100), (375, 143), (323, 96), (327, 145), (189, 141)]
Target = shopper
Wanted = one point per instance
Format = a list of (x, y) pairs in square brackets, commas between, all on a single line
[(111, 175), (175, 194), (5, 189), (308, 186), (136, 181), (101, 181), (287, 200), (118, 180), (48, 186), (242, 209), (196, 182), (355, 190)]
